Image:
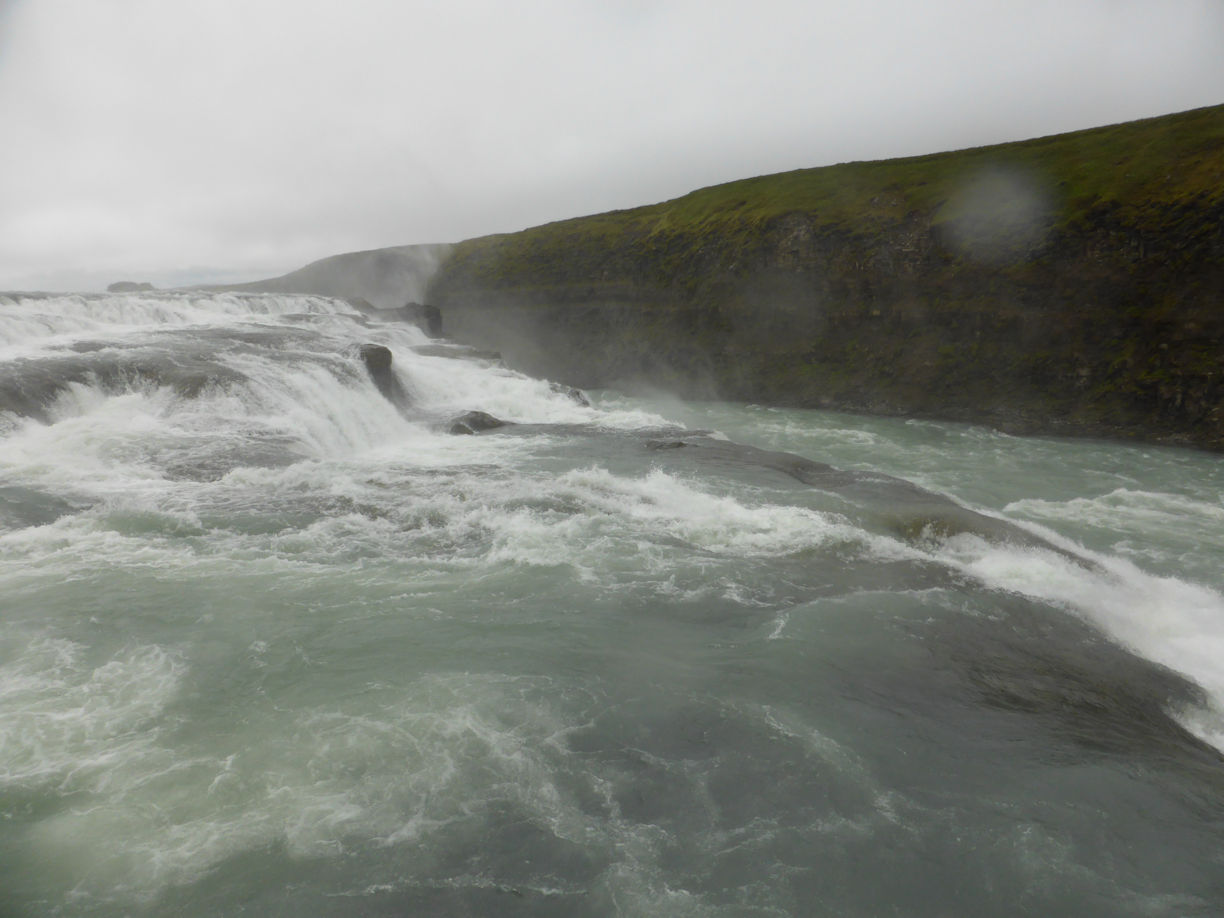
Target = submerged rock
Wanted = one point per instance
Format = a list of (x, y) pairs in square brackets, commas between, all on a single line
[(450, 349), (471, 422), (362, 305), (575, 395), (898, 507)]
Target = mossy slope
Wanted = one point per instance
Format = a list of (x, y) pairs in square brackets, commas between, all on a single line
[(1069, 284)]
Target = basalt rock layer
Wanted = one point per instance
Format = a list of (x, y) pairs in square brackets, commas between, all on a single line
[(1071, 285)]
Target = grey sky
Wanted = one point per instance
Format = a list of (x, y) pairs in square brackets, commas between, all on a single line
[(231, 139)]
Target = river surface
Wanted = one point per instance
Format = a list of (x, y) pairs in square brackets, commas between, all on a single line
[(275, 643)]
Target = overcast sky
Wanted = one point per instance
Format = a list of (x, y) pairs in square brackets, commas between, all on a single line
[(179, 141)]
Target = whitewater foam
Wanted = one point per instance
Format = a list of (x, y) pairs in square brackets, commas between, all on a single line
[(275, 626), (1173, 622), (32, 324)]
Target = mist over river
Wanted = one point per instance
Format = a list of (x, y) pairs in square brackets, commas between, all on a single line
[(274, 643)]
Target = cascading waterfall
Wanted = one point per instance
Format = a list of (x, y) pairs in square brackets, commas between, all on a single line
[(270, 642)]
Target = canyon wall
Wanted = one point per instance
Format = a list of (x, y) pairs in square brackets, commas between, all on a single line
[(1071, 285)]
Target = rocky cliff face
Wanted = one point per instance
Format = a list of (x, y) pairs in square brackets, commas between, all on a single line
[(1070, 285)]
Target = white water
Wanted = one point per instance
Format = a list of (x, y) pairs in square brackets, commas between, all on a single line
[(282, 619)]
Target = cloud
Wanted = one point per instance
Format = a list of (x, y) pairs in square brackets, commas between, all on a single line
[(149, 137)]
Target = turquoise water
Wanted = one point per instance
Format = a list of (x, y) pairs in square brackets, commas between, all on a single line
[(270, 644)]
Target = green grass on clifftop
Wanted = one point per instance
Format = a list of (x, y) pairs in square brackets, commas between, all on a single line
[(1153, 164)]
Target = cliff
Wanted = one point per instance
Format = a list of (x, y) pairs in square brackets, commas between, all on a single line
[(1071, 285)]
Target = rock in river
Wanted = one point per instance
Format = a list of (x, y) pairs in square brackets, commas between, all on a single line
[(377, 360), (471, 422)]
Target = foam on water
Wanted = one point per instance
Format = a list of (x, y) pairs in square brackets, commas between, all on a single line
[(75, 723), (1166, 619), (605, 527), (31, 324), (423, 765), (309, 391), (662, 504), (447, 386), (1153, 527), (311, 402), (259, 620)]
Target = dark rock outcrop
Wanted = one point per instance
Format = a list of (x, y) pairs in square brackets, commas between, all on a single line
[(129, 287), (378, 360), (471, 422)]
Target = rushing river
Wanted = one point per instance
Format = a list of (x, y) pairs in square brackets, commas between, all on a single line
[(273, 643)]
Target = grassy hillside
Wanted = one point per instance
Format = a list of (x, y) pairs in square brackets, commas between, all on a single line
[(1071, 283), (1142, 168), (385, 278)]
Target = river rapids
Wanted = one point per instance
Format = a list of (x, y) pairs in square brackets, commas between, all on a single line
[(274, 643)]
